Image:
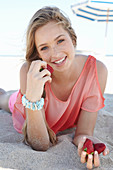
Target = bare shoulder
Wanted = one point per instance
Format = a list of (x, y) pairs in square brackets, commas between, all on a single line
[(23, 77), (101, 67), (24, 69), (102, 73), (81, 58), (25, 66)]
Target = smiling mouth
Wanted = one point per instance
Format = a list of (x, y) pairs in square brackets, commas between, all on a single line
[(60, 61)]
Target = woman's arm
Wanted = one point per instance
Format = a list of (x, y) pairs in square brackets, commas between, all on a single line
[(37, 133), (86, 122)]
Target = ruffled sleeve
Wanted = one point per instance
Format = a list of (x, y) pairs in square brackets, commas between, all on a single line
[(18, 114)]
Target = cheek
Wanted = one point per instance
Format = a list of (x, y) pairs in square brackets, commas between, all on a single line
[(70, 47), (44, 56)]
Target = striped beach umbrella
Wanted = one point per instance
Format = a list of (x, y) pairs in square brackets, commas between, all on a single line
[(99, 10)]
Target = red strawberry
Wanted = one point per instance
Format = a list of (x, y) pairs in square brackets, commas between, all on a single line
[(99, 147), (88, 146), (49, 68)]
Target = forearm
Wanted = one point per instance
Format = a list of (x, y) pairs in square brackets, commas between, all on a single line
[(37, 132)]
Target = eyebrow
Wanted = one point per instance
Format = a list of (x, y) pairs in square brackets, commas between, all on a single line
[(54, 40)]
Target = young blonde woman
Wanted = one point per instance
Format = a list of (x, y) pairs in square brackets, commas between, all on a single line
[(68, 96)]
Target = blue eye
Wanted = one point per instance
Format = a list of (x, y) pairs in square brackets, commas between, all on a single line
[(60, 41), (44, 48)]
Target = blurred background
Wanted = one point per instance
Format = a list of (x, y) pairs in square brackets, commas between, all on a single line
[(14, 19)]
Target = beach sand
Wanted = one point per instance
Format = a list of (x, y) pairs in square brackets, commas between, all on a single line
[(14, 154)]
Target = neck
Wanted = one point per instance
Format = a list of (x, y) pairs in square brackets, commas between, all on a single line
[(65, 76)]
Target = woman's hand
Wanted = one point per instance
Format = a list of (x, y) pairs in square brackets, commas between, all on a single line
[(90, 158), (36, 80)]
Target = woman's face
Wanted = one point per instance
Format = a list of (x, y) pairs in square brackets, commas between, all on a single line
[(54, 45)]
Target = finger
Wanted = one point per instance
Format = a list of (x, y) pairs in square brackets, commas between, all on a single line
[(46, 78), (44, 73), (32, 65), (89, 162), (36, 65), (83, 157), (96, 159), (42, 64), (106, 151), (80, 145)]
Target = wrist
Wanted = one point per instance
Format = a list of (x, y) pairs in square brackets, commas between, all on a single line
[(78, 138), (32, 105), (31, 97)]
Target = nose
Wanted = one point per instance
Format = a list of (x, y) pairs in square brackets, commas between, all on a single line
[(54, 53)]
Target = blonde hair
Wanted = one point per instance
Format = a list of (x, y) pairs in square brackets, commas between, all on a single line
[(40, 18)]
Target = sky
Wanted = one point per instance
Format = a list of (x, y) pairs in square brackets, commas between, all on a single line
[(16, 14)]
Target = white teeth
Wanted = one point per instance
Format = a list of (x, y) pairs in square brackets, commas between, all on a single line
[(60, 60)]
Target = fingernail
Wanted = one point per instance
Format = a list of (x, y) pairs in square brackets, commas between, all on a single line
[(90, 156), (106, 152), (84, 153), (96, 153)]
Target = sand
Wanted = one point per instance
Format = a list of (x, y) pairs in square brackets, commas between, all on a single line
[(14, 154)]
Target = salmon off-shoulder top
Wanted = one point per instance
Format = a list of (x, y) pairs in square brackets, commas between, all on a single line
[(60, 115)]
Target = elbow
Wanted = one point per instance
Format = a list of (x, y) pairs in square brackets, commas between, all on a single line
[(40, 148), (39, 145)]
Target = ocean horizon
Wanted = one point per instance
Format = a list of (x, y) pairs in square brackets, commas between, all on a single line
[(14, 55), (82, 52)]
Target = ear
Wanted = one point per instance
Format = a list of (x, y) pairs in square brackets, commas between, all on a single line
[(74, 43)]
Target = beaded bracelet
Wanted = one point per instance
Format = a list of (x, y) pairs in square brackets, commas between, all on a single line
[(32, 105)]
